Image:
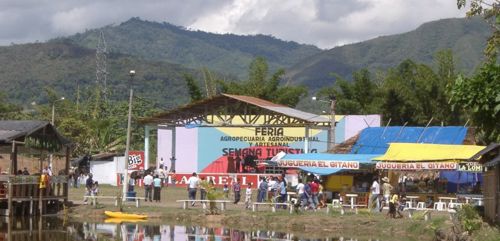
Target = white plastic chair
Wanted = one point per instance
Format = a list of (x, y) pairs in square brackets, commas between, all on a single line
[(421, 205), (440, 206)]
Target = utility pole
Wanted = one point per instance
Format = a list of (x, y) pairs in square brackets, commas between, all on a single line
[(333, 103), (127, 147), (331, 130)]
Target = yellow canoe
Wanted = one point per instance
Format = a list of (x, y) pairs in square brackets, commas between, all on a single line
[(122, 220), (124, 215)]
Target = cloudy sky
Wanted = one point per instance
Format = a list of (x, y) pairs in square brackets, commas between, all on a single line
[(324, 23)]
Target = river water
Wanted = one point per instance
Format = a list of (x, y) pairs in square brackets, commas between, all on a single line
[(57, 229)]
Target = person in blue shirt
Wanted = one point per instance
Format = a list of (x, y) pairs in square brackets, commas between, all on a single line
[(262, 190), (282, 191), (157, 188)]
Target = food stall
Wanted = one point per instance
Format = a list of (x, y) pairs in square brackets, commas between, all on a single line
[(431, 172), (340, 173)]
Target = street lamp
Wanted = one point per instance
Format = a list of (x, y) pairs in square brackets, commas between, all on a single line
[(331, 131), (54, 109), (127, 147), (53, 124)]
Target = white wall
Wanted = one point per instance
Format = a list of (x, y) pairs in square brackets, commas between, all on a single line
[(104, 172)]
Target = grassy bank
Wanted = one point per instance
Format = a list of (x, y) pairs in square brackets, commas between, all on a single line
[(313, 224)]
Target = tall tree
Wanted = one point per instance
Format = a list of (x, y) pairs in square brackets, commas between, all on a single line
[(260, 85), (479, 96), (490, 10), (193, 88)]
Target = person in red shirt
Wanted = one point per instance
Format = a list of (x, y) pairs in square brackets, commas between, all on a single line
[(315, 192)]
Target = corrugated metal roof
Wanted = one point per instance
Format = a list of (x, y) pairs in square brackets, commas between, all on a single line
[(285, 110), (195, 109), (13, 129), (253, 100)]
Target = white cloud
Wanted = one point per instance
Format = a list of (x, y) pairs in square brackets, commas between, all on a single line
[(325, 23)]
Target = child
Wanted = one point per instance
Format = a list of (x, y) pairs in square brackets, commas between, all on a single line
[(95, 189), (237, 191), (225, 189), (248, 196), (402, 203), (394, 200)]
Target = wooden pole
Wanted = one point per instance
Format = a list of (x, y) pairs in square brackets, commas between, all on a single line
[(13, 158), (66, 172), (9, 204)]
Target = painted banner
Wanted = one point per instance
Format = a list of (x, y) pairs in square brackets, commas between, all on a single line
[(319, 163), (416, 165), (219, 179), (135, 160), (470, 167)]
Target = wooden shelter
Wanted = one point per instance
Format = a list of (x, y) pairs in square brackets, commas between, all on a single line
[(21, 194), (490, 158)]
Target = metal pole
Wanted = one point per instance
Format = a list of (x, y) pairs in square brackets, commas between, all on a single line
[(173, 158), (146, 147), (53, 112), (306, 140), (127, 147), (331, 143)]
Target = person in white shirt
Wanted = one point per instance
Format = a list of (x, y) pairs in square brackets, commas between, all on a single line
[(375, 193), (193, 182), (148, 186), (300, 193), (248, 196)]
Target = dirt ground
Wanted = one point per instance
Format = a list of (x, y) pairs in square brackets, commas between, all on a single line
[(364, 225)]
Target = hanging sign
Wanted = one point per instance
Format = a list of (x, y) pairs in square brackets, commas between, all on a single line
[(319, 163), (470, 167), (416, 165), (135, 160)]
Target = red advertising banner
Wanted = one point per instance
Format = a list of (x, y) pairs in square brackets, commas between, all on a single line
[(416, 165), (135, 160), (219, 179)]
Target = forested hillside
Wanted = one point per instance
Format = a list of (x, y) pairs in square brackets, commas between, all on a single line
[(26, 69), (465, 37), (224, 53)]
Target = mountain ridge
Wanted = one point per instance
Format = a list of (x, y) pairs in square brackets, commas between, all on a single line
[(383, 52)]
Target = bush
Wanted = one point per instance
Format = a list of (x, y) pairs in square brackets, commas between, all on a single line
[(469, 218)]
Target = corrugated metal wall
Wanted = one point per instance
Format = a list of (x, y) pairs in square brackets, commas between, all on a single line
[(490, 191)]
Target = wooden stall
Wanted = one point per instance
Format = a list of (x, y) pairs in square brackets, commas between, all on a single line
[(490, 158), (22, 194), (416, 169)]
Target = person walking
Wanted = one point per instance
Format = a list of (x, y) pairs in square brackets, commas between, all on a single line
[(225, 190), (148, 186), (89, 184), (248, 196), (282, 191), (173, 177), (261, 197), (203, 189), (387, 189), (300, 193), (315, 191), (373, 202), (193, 183), (237, 191), (157, 184)]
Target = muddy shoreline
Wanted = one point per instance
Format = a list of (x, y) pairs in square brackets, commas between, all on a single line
[(364, 225)]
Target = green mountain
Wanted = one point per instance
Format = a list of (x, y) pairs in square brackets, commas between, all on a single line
[(161, 53), (26, 69), (465, 37), (225, 53)]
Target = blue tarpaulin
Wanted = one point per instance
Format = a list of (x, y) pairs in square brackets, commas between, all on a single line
[(463, 179), (375, 140), (362, 159)]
